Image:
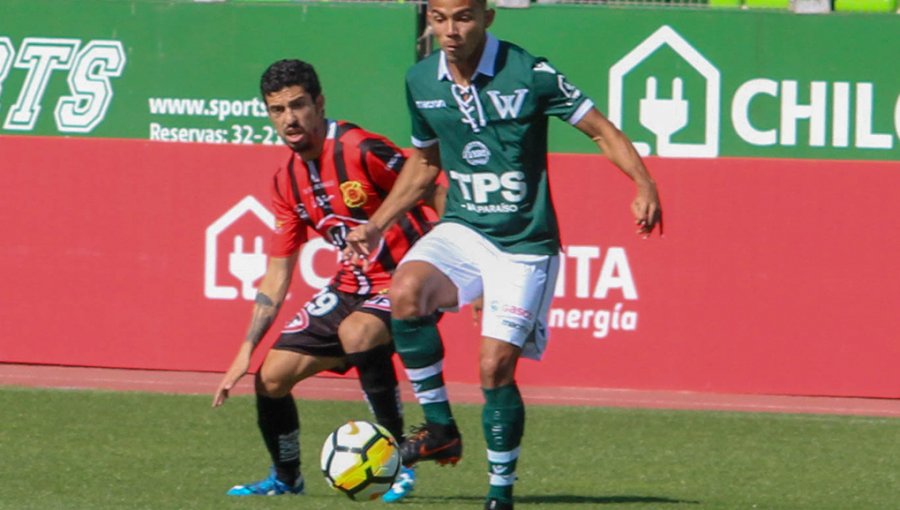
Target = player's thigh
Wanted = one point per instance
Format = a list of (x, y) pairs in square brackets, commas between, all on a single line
[(444, 266), (518, 290), (312, 334), (283, 368), (419, 288), (365, 329)]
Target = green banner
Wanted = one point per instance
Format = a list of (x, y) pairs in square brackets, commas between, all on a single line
[(189, 72), (680, 83), (707, 83)]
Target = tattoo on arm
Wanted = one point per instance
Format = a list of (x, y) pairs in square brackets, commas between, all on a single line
[(264, 312), (262, 299)]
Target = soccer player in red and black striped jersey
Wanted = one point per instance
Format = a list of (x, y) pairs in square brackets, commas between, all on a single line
[(336, 175)]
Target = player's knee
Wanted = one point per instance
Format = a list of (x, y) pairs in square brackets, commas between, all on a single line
[(407, 298), (497, 369), (268, 385), (359, 336)]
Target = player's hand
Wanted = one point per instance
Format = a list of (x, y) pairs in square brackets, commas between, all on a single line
[(239, 367), (647, 211), (361, 240)]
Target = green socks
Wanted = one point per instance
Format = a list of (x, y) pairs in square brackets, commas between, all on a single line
[(418, 343), (503, 421)]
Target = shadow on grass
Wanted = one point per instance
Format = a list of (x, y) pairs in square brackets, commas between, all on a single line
[(560, 499), (568, 499)]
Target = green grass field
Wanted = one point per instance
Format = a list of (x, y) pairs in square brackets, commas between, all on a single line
[(105, 450)]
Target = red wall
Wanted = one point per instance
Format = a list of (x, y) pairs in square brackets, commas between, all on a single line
[(774, 276)]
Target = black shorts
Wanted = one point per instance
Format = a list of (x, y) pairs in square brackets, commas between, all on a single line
[(314, 330)]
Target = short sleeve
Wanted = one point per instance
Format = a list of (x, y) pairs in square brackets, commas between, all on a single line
[(290, 231), (422, 134), (383, 160), (559, 97)]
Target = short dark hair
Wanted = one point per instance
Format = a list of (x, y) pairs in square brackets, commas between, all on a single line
[(483, 4), (287, 73)]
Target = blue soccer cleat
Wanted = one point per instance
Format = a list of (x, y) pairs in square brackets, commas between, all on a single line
[(271, 486), (403, 485)]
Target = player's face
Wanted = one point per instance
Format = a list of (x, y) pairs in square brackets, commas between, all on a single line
[(298, 118), (460, 28)]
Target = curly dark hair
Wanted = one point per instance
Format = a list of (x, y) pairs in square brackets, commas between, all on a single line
[(287, 73)]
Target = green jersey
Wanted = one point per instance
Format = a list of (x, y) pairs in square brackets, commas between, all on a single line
[(493, 141)]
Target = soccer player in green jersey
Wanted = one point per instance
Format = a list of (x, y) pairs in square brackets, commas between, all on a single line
[(480, 109)]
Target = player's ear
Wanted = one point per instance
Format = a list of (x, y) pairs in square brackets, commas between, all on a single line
[(320, 103), (489, 17)]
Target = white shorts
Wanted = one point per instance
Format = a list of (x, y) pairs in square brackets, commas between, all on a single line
[(517, 288)]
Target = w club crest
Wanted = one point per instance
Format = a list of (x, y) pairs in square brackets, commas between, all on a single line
[(508, 106)]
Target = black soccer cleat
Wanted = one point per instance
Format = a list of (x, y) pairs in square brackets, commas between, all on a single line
[(432, 441), (496, 504)]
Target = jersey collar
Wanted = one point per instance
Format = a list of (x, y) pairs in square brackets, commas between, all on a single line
[(485, 66)]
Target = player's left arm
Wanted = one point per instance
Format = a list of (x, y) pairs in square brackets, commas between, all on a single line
[(616, 146)]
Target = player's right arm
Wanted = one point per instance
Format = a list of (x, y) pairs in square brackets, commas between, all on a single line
[(437, 199), (415, 182), (269, 297)]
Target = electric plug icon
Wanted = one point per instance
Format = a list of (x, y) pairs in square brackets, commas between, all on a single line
[(664, 117), (247, 267)]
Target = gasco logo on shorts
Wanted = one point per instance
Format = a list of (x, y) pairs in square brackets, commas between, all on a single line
[(513, 310), (476, 153)]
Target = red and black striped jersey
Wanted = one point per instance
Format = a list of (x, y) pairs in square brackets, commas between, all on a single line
[(339, 191)]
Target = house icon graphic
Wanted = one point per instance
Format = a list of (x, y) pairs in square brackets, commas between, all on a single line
[(665, 117), (246, 266)]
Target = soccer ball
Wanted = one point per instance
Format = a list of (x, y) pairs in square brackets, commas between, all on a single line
[(360, 459)]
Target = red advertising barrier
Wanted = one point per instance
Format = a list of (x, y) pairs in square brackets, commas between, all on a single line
[(774, 276)]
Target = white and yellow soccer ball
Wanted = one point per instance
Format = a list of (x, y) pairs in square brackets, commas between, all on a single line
[(360, 459)]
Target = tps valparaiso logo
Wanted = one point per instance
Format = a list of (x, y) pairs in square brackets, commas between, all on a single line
[(671, 100)]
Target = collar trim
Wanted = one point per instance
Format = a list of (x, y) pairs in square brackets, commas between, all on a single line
[(486, 66)]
